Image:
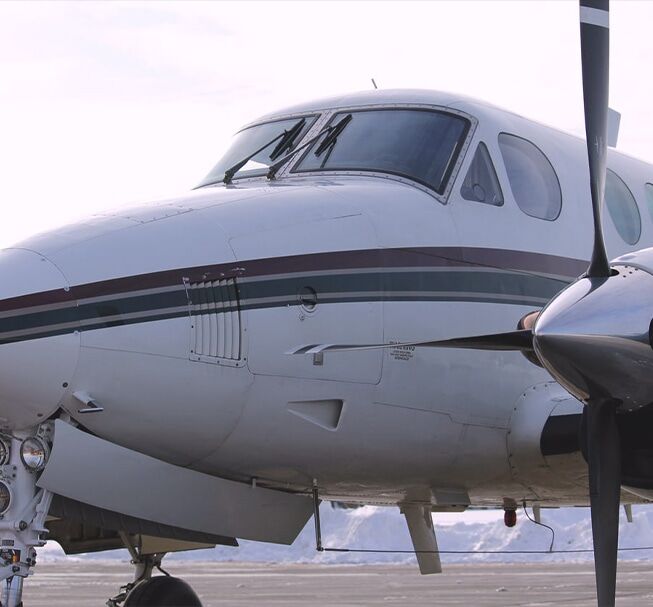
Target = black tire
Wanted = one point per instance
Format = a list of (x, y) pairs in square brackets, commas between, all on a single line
[(162, 591)]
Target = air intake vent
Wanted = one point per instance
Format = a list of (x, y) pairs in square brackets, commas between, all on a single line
[(215, 319)]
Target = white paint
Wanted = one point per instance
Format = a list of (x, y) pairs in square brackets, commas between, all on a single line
[(595, 16)]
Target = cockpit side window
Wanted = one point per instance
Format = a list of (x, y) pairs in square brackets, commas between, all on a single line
[(622, 208), (420, 144), (281, 137), (481, 183), (649, 198), (533, 181)]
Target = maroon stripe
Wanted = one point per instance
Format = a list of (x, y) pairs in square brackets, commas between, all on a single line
[(313, 262), (526, 261), (37, 299)]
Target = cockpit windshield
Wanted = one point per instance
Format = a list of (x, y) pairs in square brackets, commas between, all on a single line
[(257, 147), (420, 144)]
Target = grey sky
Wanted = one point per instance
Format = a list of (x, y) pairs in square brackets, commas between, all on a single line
[(106, 103)]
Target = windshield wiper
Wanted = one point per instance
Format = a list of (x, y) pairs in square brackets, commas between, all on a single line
[(286, 138), (336, 128), (332, 137)]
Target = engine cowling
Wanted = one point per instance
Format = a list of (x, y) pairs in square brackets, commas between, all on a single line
[(543, 443)]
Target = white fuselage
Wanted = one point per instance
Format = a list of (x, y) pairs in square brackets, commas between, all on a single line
[(339, 257)]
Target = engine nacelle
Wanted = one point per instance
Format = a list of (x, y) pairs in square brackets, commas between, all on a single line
[(543, 442), (546, 446)]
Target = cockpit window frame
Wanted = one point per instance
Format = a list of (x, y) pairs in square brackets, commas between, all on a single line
[(452, 170), (257, 174), (280, 118)]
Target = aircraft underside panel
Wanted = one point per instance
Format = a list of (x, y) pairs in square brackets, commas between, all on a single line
[(93, 471), (80, 528)]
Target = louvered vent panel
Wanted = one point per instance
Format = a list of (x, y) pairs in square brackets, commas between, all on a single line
[(215, 312)]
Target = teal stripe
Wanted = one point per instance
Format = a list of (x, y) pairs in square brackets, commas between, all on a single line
[(506, 287), (507, 283)]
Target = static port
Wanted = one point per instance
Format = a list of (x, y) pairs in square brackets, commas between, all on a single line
[(308, 298)]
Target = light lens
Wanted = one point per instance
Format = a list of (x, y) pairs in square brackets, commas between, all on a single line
[(5, 497), (4, 452), (34, 453)]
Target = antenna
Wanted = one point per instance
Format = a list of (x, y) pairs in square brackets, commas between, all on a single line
[(374, 83)]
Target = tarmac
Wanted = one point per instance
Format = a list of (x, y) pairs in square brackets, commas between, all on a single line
[(91, 583)]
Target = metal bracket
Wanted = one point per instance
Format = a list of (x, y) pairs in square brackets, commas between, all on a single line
[(144, 565), (316, 518), (90, 404)]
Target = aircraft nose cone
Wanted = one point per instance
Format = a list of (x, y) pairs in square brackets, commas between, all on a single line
[(594, 338), (39, 347)]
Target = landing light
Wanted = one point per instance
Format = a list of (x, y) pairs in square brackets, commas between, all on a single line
[(34, 452)]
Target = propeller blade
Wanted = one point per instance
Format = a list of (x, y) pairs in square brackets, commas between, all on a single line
[(521, 340), (603, 458), (595, 54), (602, 434)]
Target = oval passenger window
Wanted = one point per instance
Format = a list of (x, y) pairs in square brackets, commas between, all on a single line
[(533, 181), (622, 208)]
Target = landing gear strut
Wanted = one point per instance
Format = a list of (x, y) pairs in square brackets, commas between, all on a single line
[(23, 508), (147, 591)]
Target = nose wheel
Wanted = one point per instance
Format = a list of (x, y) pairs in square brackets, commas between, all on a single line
[(147, 591), (162, 591)]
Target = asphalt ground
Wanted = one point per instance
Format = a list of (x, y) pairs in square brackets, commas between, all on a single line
[(90, 583)]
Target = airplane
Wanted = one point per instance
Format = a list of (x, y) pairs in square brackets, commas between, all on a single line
[(379, 298)]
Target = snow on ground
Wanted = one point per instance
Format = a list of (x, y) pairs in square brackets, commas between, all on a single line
[(385, 529)]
